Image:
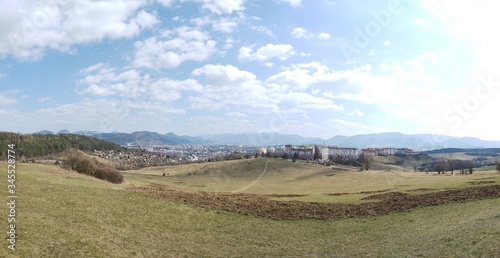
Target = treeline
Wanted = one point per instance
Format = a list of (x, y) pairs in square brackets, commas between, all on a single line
[(469, 151), (39, 145), (449, 165)]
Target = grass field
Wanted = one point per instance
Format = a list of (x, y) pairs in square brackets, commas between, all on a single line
[(65, 214), (286, 177)]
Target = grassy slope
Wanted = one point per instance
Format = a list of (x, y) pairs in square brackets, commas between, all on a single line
[(64, 214), (285, 177)]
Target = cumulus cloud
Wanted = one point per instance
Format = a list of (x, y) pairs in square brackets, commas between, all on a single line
[(223, 7), (293, 3), (132, 84), (356, 112), (264, 30), (29, 29), (214, 6), (301, 33), (228, 85), (181, 45), (267, 52), (226, 25), (324, 35), (7, 98)]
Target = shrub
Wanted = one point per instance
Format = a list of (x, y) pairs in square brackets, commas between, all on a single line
[(83, 164), (108, 173)]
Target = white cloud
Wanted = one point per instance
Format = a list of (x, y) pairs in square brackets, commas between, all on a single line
[(132, 84), (228, 85), (223, 6), (168, 90), (347, 128), (324, 35), (387, 43), (28, 29), (472, 21), (166, 3), (293, 3), (7, 98), (267, 52), (307, 101), (299, 32), (236, 115), (229, 43), (264, 30), (214, 6), (356, 113), (189, 45), (92, 68), (225, 25)]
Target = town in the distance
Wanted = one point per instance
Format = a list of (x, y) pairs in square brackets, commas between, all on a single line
[(143, 149)]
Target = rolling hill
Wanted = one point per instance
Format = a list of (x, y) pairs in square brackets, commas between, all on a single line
[(390, 139)]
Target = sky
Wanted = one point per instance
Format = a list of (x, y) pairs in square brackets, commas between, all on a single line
[(316, 68)]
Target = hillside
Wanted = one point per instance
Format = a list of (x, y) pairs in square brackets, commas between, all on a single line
[(63, 211), (37, 145)]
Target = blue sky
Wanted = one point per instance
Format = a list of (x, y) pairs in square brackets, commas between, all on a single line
[(312, 67)]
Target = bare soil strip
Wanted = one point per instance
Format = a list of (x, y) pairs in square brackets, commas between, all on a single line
[(384, 196), (263, 206), (482, 182)]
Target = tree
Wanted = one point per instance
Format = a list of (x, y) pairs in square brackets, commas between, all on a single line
[(451, 166), (441, 166), (498, 167), (366, 161), (471, 167)]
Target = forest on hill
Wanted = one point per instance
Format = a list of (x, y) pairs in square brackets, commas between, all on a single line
[(39, 145)]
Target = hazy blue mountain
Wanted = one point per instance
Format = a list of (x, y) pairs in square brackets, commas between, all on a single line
[(45, 132), (63, 131), (87, 133), (394, 139), (261, 138), (416, 141), (143, 138)]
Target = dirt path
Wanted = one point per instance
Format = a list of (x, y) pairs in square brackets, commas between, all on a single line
[(264, 206), (250, 185)]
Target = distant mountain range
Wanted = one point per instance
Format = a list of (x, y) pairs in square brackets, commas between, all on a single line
[(397, 140)]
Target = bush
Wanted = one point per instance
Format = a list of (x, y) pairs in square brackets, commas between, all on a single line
[(83, 164)]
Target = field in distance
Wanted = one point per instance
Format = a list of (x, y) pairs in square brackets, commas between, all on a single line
[(65, 214), (302, 181)]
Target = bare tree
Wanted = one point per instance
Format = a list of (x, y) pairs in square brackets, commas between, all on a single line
[(441, 165), (498, 167), (366, 161), (471, 167)]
